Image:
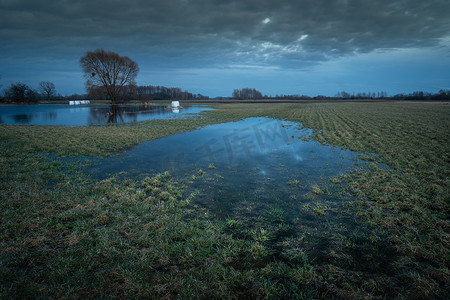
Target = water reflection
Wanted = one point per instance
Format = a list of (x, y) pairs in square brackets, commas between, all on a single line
[(23, 118), (51, 116), (257, 142), (106, 115), (253, 169), (260, 173), (67, 115), (115, 114), (121, 114)]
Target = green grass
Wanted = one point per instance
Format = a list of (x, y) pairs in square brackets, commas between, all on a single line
[(99, 140), (65, 235)]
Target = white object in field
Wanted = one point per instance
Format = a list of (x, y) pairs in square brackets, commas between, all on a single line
[(175, 103), (79, 102), (175, 110)]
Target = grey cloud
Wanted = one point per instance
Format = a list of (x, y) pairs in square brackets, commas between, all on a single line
[(224, 32)]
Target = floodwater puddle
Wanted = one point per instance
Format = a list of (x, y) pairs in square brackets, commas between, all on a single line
[(85, 115), (263, 147), (249, 165), (263, 177)]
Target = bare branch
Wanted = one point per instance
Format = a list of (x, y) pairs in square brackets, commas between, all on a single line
[(47, 89)]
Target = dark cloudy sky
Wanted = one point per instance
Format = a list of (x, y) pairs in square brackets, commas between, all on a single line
[(213, 46)]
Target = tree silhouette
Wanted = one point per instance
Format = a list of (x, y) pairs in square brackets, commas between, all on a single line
[(110, 70), (47, 88), (20, 92)]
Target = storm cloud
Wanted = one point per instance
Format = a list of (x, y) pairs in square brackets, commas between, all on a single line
[(250, 31), (215, 33)]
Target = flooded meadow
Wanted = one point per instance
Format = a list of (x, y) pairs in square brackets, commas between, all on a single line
[(86, 115), (266, 179), (324, 200)]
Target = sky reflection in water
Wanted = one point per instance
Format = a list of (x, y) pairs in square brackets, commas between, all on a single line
[(250, 161)]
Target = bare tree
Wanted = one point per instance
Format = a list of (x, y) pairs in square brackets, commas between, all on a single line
[(110, 70), (47, 89)]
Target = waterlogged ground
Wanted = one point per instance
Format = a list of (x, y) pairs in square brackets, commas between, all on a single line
[(264, 177), (83, 115), (261, 146), (253, 209)]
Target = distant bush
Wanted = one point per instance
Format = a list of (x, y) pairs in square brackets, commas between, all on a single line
[(20, 93)]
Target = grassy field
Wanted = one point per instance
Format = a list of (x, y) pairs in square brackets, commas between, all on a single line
[(65, 235)]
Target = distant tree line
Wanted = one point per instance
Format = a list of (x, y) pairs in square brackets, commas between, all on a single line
[(150, 92), (420, 95), (362, 95), (145, 93), (22, 93), (249, 93)]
